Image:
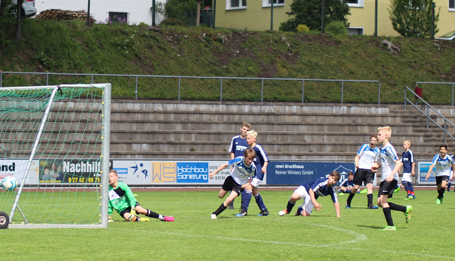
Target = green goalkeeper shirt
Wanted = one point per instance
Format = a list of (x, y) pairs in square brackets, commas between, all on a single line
[(120, 198)]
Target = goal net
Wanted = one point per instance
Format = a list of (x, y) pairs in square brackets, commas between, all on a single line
[(55, 141)]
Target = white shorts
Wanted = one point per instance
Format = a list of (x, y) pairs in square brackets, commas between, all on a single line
[(406, 177), (255, 182), (307, 204)]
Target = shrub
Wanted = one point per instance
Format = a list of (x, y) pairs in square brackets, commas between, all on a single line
[(171, 21), (301, 28), (337, 28)]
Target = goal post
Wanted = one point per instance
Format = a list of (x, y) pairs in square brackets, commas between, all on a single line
[(55, 140)]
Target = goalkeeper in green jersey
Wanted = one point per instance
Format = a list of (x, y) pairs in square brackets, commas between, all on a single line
[(121, 199)]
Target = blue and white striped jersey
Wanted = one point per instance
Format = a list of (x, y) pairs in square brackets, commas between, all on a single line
[(388, 156), (319, 187), (368, 156), (407, 159), (242, 173), (347, 183), (442, 165), (238, 146)]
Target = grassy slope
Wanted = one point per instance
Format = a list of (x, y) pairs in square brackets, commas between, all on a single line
[(72, 47)]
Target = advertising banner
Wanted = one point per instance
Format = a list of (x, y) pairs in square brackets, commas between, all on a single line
[(297, 173), (17, 168), (422, 169)]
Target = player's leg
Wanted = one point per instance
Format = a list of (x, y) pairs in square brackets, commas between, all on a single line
[(296, 195), (369, 177), (259, 201), (383, 194), (307, 207), (228, 185), (149, 213), (359, 176), (246, 198)]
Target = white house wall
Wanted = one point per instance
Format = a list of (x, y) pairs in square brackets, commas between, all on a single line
[(138, 10)]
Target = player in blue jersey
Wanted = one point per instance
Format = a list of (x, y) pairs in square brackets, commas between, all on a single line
[(407, 159), (347, 184), (441, 164), (238, 146), (364, 160), (241, 176), (390, 164), (261, 161), (310, 192)]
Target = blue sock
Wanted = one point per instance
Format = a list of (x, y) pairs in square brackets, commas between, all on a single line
[(260, 202), (246, 198), (449, 185)]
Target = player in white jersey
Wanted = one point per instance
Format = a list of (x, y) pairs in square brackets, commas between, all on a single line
[(364, 160), (241, 176), (390, 164), (441, 164)]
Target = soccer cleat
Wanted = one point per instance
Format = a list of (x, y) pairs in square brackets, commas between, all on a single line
[(363, 191), (341, 193), (348, 206), (283, 212), (231, 207), (168, 219), (389, 228), (407, 214), (213, 216), (441, 199), (396, 190), (409, 197), (143, 219), (299, 211), (263, 213), (438, 201), (242, 213), (373, 207)]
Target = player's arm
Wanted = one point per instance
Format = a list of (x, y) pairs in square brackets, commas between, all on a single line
[(244, 186), (337, 208), (429, 171), (356, 161), (395, 170), (264, 168), (316, 205), (220, 168), (413, 172)]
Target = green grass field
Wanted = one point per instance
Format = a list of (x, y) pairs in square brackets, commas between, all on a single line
[(194, 236)]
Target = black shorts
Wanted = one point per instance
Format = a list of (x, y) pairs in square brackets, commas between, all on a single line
[(387, 188), (363, 175), (230, 184), (127, 210), (439, 179)]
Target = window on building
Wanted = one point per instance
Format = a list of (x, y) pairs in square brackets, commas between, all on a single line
[(355, 3), (452, 5), (118, 17), (233, 4), (268, 3)]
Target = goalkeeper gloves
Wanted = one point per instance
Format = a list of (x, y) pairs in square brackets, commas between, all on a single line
[(133, 214), (109, 220)]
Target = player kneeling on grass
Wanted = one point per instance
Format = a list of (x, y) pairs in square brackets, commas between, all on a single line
[(310, 191), (241, 176), (121, 199)]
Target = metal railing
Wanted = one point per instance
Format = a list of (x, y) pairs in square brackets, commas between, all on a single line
[(440, 83), (427, 113), (47, 74)]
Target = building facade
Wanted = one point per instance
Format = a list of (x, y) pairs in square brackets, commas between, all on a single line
[(257, 15)]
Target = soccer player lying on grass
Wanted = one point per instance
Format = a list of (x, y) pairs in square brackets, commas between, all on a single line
[(310, 191), (241, 176), (121, 199)]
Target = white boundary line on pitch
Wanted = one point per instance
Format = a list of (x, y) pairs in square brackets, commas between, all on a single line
[(359, 237)]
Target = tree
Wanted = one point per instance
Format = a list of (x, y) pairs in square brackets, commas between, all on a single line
[(412, 18), (18, 37), (309, 13)]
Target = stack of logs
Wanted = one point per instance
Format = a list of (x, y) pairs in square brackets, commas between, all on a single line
[(58, 14)]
